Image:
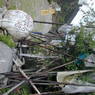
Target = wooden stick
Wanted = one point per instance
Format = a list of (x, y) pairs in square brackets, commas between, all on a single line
[(30, 81), (22, 82), (49, 93), (60, 66), (13, 88)]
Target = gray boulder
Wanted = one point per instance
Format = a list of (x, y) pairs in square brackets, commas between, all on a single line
[(6, 57)]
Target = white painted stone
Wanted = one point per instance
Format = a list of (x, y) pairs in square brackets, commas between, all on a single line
[(18, 23)]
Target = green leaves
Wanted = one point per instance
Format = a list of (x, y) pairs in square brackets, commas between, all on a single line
[(84, 40), (80, 46), (7, 40)]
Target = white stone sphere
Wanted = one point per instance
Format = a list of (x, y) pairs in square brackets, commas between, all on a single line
[(18, 23)]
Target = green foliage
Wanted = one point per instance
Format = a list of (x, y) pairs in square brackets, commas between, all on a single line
[(12, 7), (71, 67), (84, 41), (84, 45), (1, 3), (80, 46), (23, 90), (7, 40)]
